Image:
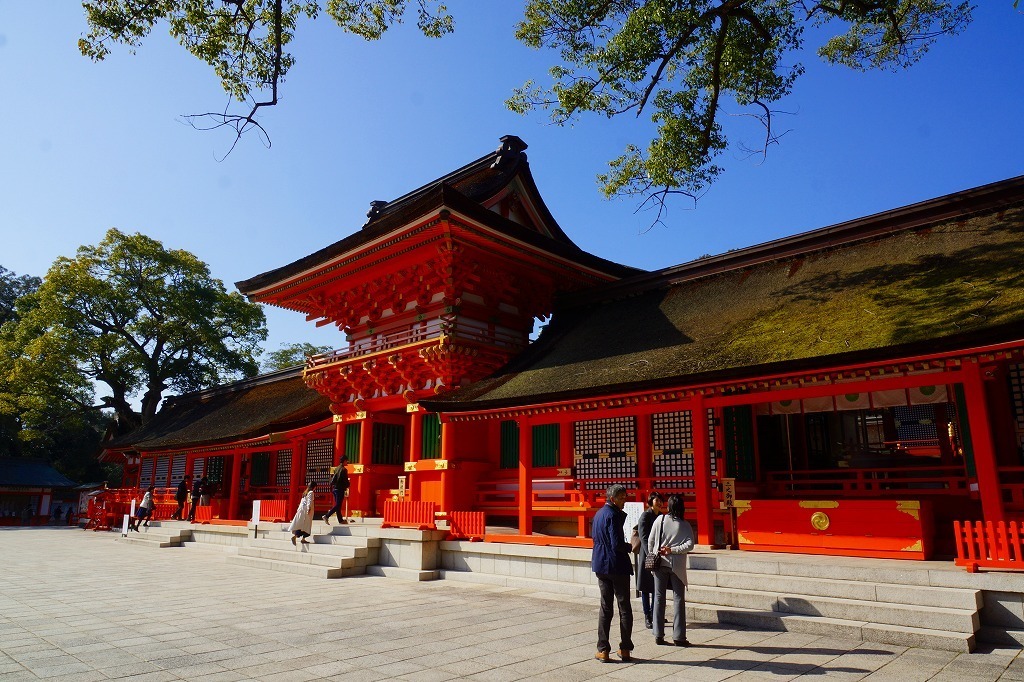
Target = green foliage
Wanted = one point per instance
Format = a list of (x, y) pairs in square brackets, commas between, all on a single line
[(684, 61), (129, 314), (290, 355), (13, 287)]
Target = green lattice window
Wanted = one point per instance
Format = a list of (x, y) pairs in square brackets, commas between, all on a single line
[(259, 469), (387, 444), (352, 441), (431, 440), (509, 444), (545, 445)]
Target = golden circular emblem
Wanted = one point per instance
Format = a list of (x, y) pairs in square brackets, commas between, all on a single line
[(819, 520)]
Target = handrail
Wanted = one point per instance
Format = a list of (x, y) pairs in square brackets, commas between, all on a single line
[(406, 337)]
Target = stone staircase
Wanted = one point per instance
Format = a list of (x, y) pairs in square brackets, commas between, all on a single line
[(916, 604), (158, 536), (332, 551), (871, 602)]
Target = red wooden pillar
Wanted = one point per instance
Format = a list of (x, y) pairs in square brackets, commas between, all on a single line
[(298, 477), (984, 447), (236, 481), (566, 445), (339, 442), (447, 453), (525, 476), (701, 469), (416, 436), (360, 495), (644, 456)]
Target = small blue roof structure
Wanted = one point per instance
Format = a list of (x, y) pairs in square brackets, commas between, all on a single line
[(31, 473)]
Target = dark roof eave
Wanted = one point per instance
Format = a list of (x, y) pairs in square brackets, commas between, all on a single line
[(964, 343)]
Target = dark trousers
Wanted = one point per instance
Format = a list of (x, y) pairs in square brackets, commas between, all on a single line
[(179, 511), (339, 496), (614, 588)]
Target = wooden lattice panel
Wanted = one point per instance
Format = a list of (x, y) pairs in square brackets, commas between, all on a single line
[(319, 459), (672, 436), (163, 466), (619, 469), (612, 436), (178, 469), (1017, 397), (283, 476)]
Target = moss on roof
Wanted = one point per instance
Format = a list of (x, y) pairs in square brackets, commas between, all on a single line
[(247, 410), (956, 280)]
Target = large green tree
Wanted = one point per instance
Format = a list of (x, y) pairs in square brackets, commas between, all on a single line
[(290, 355), (682, 63), (131, 317)]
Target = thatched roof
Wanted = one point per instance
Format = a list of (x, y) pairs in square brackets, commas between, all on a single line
[(944, 273), (247, 409)]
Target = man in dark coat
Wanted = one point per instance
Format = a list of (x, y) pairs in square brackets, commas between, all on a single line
[(339, 486), (180, 495), (199, 489), (611, 561)]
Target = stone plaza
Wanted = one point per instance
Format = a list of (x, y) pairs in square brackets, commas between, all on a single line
[(82, 606)]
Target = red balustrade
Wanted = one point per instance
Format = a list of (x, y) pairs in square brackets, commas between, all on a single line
[(466, 525), (419, 515), (204, 514), (274, 510), (989, 545)]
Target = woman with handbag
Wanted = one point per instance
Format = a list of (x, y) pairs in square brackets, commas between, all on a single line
[(302, 524), (644, 578), (671, 540)]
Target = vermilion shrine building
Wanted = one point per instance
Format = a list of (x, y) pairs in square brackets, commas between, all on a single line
[(850, 390)]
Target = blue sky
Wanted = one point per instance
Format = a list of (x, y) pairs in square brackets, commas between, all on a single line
[(86, 146)]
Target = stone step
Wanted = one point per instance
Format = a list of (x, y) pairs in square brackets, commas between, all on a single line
[(804, 566), (351, 540), (519, 582), (299, 556), (295, 568), (149, 541), (846, 589), (924, 638), (339, 550), (932, 618), (403, 573)]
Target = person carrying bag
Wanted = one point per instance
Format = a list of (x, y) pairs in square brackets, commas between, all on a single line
[(671, 540)]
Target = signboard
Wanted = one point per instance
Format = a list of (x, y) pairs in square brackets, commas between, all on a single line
[(124, 526), (633, 511), (401, 487), (256, 511), (728, 493)]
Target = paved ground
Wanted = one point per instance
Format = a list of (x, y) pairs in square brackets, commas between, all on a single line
[(78, 605)]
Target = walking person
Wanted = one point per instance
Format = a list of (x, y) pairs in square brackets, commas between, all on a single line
[(672, 538), (200, 489), (339, 486), (611, 562), (180, 495), (644, 577), (144, 511), (302, 524)]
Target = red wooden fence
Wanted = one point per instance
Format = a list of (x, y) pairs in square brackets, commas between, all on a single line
[(204, 514), (418, 515), (989, 545), (466, 525), (274, 510)]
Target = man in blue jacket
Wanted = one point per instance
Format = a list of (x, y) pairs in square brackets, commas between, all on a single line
[(611, 561)]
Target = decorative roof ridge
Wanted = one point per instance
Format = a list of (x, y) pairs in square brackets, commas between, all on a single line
[(914, 216), (235, 386)]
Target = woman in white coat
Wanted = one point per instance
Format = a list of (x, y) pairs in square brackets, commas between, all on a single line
[(302, 524), (672, 538)]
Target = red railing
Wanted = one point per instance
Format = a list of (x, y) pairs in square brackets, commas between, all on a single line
[(406, 337), (274, 510), (204, 514), (466, 525), (989, 545), (888, 482), (419, 515)]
